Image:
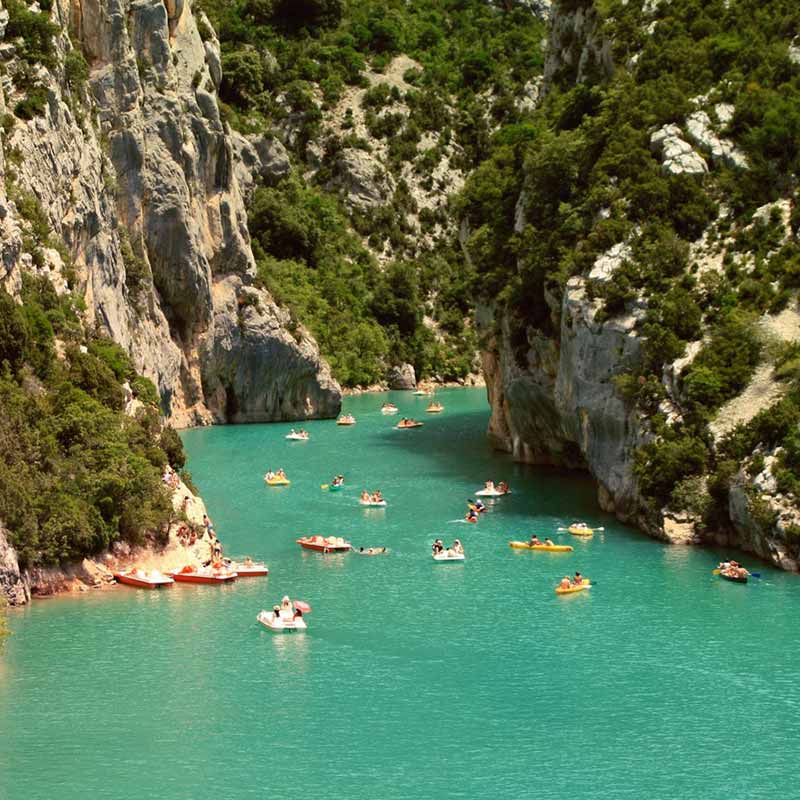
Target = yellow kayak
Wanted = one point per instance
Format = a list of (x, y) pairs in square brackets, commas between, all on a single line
[(585, 585), (277, 481), (581, 531), (553, 548)]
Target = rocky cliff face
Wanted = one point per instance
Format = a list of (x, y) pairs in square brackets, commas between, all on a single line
[(142, 182), (560, 405), (554, 396)]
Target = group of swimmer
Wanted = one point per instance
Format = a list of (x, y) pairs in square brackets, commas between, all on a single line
[(501, 487), (567, 582), (373, 497), (732, 569), (456, 549)]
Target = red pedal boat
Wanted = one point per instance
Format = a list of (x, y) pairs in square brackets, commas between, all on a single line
[(254, 569), (143, 580), (325, 544), (204, 575)]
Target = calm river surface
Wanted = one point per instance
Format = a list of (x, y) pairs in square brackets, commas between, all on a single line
[(415, 679)]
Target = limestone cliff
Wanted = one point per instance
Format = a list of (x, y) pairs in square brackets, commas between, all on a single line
[(557, 385), (139, 179)]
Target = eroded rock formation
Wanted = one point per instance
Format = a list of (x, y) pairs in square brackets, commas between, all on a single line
[(140, 179)]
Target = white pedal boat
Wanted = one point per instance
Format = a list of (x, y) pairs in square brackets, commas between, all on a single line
[(491, 493), (297, 437), (278, 624), (448, 556), (372, 503)]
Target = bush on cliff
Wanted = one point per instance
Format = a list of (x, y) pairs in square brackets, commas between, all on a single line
[(76, 474)]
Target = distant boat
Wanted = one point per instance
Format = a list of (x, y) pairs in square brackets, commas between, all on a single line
[(143, 580), (325, 544), (445, 556), (204, 575), (254, 569), (278, 624)]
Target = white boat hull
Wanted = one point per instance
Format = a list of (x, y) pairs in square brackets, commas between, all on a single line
[(370, 504), (490, 493), (280, 625), (446, 557)]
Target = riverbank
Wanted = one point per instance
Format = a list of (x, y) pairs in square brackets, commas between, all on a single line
[(97, 573), (472, 381)]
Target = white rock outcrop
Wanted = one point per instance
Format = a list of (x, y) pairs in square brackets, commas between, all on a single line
[(700, 130), (677, 155)]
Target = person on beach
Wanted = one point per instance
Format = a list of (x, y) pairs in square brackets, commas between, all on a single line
[(216, 550), (208, 525)]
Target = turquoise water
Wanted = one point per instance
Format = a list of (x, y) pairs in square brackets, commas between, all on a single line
[(415, 679)]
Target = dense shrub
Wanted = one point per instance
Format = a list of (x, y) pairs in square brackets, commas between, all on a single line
[(75, 473)]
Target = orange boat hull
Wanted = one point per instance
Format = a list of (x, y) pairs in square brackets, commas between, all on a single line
[(321, 547), (190, 577), (130, 580), (256, 572)]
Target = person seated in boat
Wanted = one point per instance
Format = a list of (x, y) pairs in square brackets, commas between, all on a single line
[(565, 583), (276, 612), (472, 515), (549, 542), (480, 506), (578, 579), (287, 609), (458, 548), (377, 497), (502, 487), (489, 486), (280, 474), (438, 547), (534, 542), (269, 475), (365, 498)]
